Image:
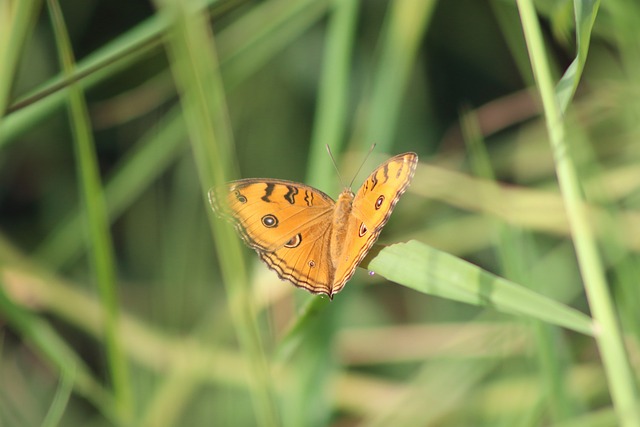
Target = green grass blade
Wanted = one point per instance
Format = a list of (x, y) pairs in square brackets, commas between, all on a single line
[(407, 21), (252, 41), (41, 336), (459, 380), (616, 363), (17, 18), (310, 361), (170, 397), (333, 91), (60, 401), (196, 73), (101, 255), (95, 68), (514, 250), (506, 14), (585, 15), (140, 167), (307, 347), (427, 270)]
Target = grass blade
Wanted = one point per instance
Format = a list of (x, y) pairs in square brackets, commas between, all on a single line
[(407, 21), (427, 270), (514, 250), (203, 99), (45, 339), (616, 362), (585, 15), (56, 410), (331, 116), (101, 253), (16, 20)]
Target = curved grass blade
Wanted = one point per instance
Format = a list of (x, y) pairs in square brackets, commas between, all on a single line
[(585, 15), (430, 271)]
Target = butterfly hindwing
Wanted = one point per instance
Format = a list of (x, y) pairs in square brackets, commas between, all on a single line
[(305, 261)]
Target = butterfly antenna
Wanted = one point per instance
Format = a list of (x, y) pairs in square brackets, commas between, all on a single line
[(362, 164), (334, 165)]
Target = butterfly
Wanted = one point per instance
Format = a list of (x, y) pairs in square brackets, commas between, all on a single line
[(302, 234)]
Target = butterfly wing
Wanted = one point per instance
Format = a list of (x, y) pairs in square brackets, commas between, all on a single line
[(372, 207), (287, 223), (305, 260)]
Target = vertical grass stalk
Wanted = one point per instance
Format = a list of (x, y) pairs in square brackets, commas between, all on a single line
[(196, 71), (406, 22), (333, 92), (608, 335), (511, 251), (101, 250)]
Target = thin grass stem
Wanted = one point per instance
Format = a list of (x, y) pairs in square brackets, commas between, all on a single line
[(101, 253), (616, 363)]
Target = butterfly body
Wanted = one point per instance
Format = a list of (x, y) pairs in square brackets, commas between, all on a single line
[(302, 234)]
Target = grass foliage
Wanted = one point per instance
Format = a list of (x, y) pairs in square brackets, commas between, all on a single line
[(504, 290)]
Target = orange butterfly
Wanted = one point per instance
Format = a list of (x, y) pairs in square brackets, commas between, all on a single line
[(302, 234)]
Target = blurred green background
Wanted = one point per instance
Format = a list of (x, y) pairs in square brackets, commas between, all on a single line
[(124, 301)]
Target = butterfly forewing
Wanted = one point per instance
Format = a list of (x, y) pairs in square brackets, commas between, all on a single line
[(378, 195), (305, 261), (268, 212), (372, 207)]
